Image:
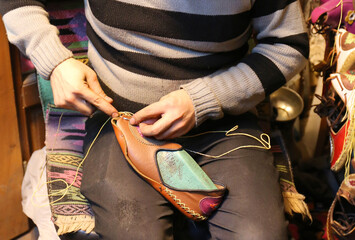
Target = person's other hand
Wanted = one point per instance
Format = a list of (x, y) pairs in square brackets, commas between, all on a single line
[(172, 116), (75, 86)]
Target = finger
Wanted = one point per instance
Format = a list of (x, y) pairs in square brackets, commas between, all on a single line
[(95, 86), (98, 102), (73, 102), (157, 128), (150, 121), (174, 131), (153, 111), (83, 107)]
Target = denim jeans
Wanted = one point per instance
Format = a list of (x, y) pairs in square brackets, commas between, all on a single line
[(126, 207)]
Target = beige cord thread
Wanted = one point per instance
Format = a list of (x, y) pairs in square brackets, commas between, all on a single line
[(264, 141), (39, 187), (340, 20), (349, 140), (350, 146), (66, 189), (184, 206)]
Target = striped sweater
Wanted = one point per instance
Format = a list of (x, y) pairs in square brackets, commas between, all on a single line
[(144, 49)]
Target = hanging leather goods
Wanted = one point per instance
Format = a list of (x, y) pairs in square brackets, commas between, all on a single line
[(170, 170)]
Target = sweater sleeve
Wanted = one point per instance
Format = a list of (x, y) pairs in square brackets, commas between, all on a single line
[(27, 26), (281, 52)]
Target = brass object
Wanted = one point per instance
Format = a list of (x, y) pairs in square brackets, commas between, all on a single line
[(287, 104)]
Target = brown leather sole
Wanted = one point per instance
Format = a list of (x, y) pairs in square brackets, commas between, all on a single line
[(140, 152)]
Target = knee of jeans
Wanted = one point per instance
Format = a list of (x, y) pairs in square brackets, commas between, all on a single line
[(136, 230), (255, 234), (251, 231), (264, 232), (96, 187)]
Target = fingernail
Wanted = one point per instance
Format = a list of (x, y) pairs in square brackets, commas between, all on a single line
[(107, 98), (115, 114), (132, 121)]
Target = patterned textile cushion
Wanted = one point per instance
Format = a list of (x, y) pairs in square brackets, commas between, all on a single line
[(65, 130)]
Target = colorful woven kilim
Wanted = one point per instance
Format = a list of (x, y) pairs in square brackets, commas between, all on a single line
[(65, 132), (293, 201), (69, 17)]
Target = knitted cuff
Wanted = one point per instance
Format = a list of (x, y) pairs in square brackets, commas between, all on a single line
[(48, 55), (205, 102)]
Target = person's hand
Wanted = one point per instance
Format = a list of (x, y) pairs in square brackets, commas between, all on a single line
[(172, 116), (75, 86)]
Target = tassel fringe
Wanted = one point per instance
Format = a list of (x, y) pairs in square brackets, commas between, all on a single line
[(294, 203), (67, 224)]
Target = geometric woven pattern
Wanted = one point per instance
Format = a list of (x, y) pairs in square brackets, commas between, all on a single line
[(65, 132), (64, 159), (70, 210), (293, 201)]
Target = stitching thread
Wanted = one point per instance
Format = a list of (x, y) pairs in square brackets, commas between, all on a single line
[(183, 206)]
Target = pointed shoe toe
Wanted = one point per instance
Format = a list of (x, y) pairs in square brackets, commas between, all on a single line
[(169, 170)]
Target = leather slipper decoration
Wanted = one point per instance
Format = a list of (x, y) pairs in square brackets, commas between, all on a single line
[(345, 49), (330, 12), (342, 140), (170, 170), (341, 215)]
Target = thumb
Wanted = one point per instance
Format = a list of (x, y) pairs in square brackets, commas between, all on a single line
[(94, 85)]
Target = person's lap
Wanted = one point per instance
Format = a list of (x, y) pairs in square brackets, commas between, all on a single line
[(126, 207)]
